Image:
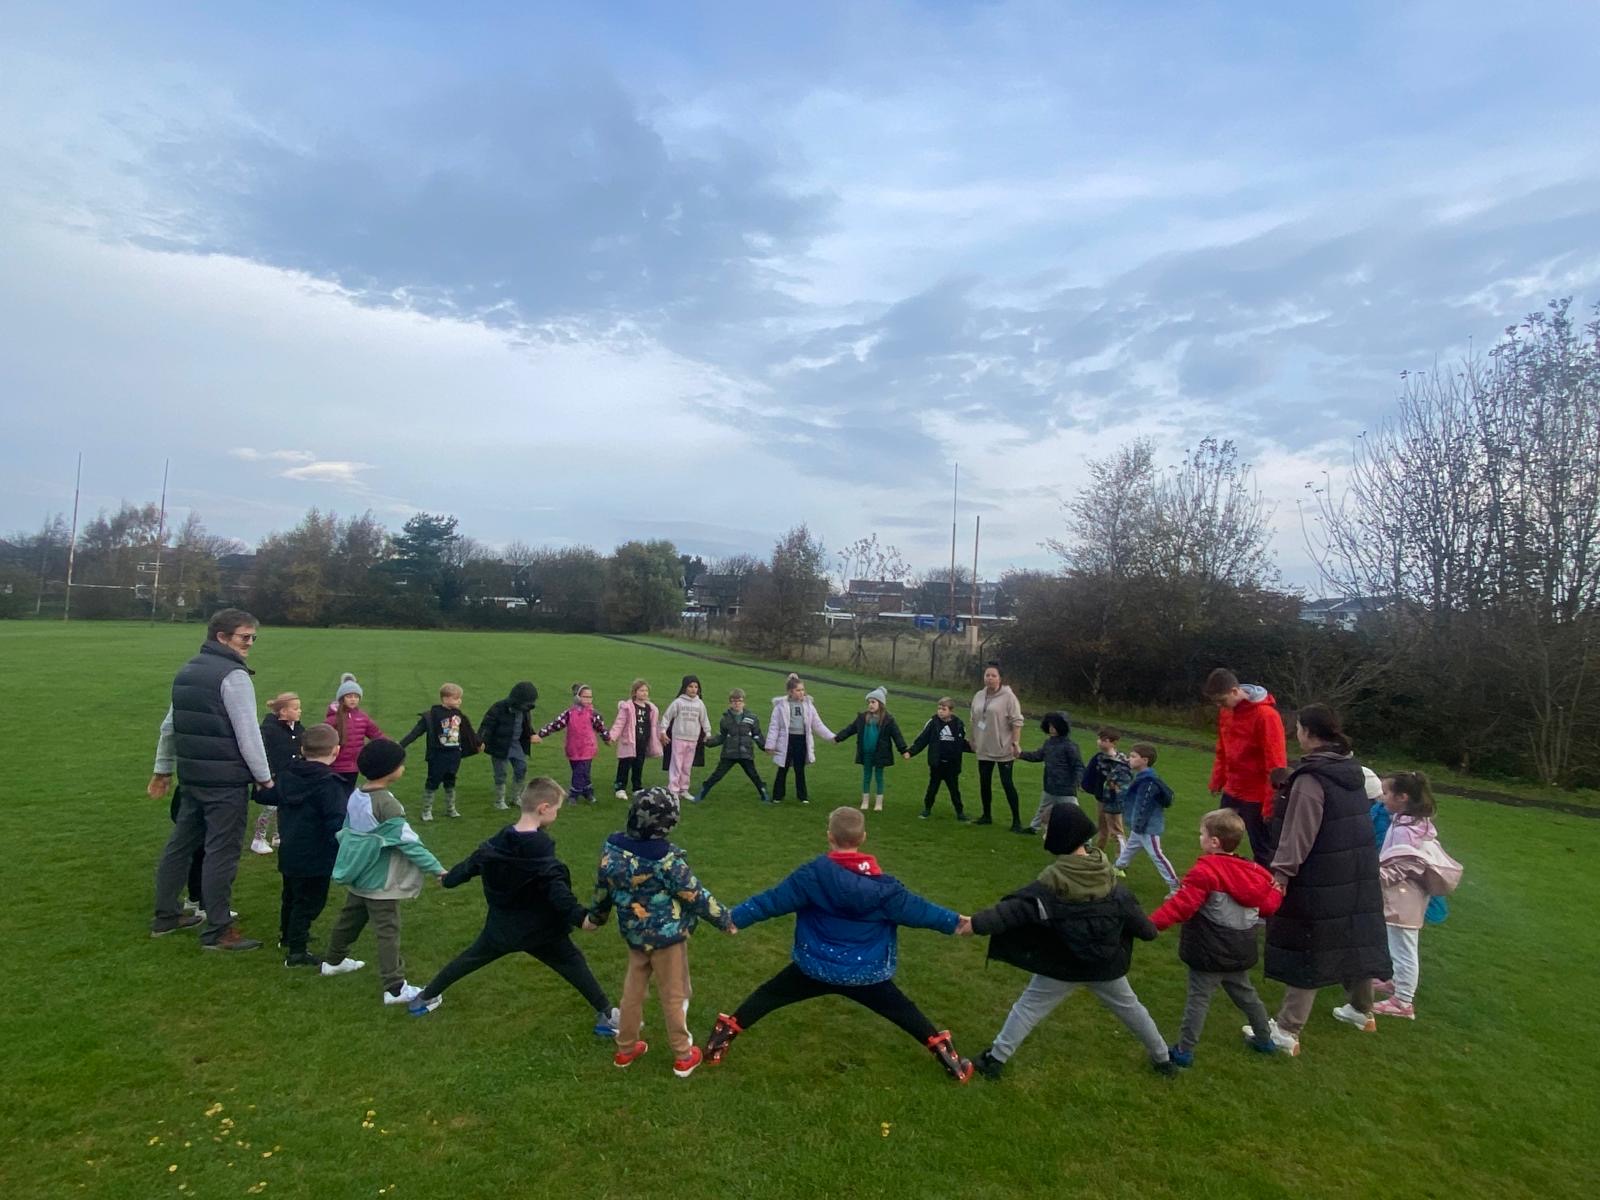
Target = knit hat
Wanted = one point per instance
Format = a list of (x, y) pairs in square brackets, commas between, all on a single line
[(524, 695), (347, 686), (379, 758), (1069, 828), (652, 814), (1056, 723), (880, 694), (1374, 785)]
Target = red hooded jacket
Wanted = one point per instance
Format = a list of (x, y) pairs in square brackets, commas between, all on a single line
[(1247, 882), (1250, 744)]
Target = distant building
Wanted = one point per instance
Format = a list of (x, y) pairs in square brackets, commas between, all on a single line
[(717, 595), (1339, 613), (875, 595)]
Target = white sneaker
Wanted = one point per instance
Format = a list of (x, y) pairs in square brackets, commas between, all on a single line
[(343, 967), (192, 907), (620, 794), (260, 846), (201, 913), (408, 993), (1286, 1042), (1352, 1015), (427, 814)]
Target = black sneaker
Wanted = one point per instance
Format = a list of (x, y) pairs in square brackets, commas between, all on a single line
[(232, 941), (1168, 1068), (188, 921), (984, 820), (925, 813), (1023, 830), (961, 816), (987, 1065), (302, 959)]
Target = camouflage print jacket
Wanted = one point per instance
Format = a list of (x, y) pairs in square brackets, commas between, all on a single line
[(657, 897)]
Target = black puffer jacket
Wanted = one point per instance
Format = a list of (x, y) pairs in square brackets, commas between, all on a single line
[(494, 731), (1063, 765), (529, 889), (889, 739), (1330, 927), (739, 734), (1087, 940)]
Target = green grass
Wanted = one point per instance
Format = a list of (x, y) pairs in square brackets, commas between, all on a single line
[(116, 1046)]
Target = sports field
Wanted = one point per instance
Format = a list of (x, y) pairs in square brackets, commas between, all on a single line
[(140, 1068)]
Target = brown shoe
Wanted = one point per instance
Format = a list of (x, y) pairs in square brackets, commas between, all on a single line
[(187, 921), (232, 940)]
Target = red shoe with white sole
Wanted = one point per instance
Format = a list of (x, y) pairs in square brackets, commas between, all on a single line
[(624, 1058), (684, 1067)]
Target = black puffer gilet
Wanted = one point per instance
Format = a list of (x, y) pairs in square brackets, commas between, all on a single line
[(203, 741), (1330, 927)]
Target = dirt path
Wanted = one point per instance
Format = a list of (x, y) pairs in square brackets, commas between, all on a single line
[(1487, 795)]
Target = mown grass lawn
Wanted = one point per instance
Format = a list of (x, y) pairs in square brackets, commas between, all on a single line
[(139, 1068)]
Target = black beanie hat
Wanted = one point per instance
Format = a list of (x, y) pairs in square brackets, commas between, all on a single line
[(379, 758), (524, 695), (1069, 828)]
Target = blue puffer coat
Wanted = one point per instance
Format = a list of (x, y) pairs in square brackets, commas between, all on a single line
[(845, 921)]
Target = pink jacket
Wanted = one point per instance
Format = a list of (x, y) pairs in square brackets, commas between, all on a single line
[(778, 731), (359, 729), (581, 724), (1413, 867), (622, 731)]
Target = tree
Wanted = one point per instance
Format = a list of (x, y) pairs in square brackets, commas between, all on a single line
[(785, 596), (426, 560), (643, 587), (866, 560)]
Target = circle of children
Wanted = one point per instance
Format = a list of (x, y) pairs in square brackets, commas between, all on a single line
[(1345, 868)]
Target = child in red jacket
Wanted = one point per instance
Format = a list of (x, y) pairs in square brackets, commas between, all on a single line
[(1250, 745), (1218, 903)]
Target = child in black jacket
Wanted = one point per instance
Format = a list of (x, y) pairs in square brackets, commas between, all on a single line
[(311, 810), (531, 906), (944, 737), (739, 733), (1063, 766), (280, 738), (1072, 927), (450, 739)]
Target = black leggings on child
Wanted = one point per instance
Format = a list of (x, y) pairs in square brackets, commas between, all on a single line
[(791, 985), (949, 774), (727, 765), (630, 769), (795, 758), (559, 954)]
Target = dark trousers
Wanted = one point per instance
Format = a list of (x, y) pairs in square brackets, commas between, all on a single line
[(791, 985), (442, 771), (1256, 829), (304, 898), (630, 774), (986, 787), (948, 774), (212, 819), (582, 778), (558, 953), (795, 759), (197, 863), (727, 764)]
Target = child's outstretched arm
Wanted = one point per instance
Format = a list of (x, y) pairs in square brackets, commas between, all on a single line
[(692, 892), (897, 737), (849, 731), (417, 730), (599, 724), (411, 846), (1187, 900), (558, 724), (905, 907), (464, 871), (1011, 913), (920, 742), (1133, 917), (776, 901), (1032, 755), (557, 884)]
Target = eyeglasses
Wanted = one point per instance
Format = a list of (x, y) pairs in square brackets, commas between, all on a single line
[(246, 638)]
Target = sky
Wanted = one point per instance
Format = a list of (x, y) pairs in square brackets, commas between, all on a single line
[(591, 272)]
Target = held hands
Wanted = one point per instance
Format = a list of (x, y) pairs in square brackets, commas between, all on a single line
[(731, 930), (158, 786), (535, 739), (964, 927), (906, 754), (588, 925)]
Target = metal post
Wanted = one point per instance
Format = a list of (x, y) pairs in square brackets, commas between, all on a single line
[(72, 546), (161, 536)]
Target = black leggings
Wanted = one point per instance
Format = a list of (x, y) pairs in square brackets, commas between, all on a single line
[(949, 774), (796, 759), (727, 765), (791, 985), (630, 769), (304, 898), (559, 954), (986, 787)]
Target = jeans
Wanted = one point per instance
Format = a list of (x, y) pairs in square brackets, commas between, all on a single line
[(728, 764), (304, 898), (1046, 803), (795, 760), (1407, 965), (212, 819), (986, 787), (385, 918), (791, 985), (949, 774), (1150, 843), (669, 967), (1258, 831), (1239, 989), (519, 769), (557, 953), (1039, 1000)]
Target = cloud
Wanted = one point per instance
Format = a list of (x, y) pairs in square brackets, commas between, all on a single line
[(252, 455), (329, 471)]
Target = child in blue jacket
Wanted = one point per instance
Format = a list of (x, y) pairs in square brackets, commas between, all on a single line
[(846, 913), (1146, 806)]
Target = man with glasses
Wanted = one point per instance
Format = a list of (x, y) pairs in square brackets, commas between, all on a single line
[(211, 736)]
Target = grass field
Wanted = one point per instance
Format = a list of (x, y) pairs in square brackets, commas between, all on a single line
[(139, 1068)]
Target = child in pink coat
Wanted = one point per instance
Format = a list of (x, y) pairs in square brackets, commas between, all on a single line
[(791, 737), (355, 728), (636, 732), (582, 724), (1412, 867)]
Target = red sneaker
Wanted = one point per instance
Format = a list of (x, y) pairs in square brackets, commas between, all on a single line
[(624, 1058), (960, 1069), (684, 1067), (722, 1034)]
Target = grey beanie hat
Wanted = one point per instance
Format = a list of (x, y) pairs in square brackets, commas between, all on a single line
[(347, 686), (880, 694)]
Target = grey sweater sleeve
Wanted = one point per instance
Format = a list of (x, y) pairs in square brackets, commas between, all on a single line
[(239, 698), (164, 759), (1302, 819)]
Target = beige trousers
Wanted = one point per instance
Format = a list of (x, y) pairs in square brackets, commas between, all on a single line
[(670, 968)]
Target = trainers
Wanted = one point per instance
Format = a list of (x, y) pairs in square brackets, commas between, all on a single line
[(260, 846), (958, 1068), (987, 1065), (1267, 1047), (201, 913), (1395, 1007), (695, 799), (407, 993), (925, 813), (343, 967), (1184, 1058), (620, 794), (192, 907), (452, 810), (233, 941), (722, 1035), (984, 820), (684, 1067), (188, 921), (1383, 987), (1287, 1042), (605, 1023), (302, 959), (1166, 1067), (961, 816), (1351, 1015), (421, 1008), (624, 1058), (427, 814), (1023, 830)]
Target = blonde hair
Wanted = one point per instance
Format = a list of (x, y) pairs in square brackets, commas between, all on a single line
[(792, 682), (847, 828), (539, 792), (633, 689), (450, 689), (281, 701), (1226, 826)]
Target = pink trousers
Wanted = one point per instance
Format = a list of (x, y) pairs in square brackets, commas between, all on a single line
[(682, 764)]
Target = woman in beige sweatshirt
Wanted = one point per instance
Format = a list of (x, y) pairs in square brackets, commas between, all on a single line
[(996, 734)]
